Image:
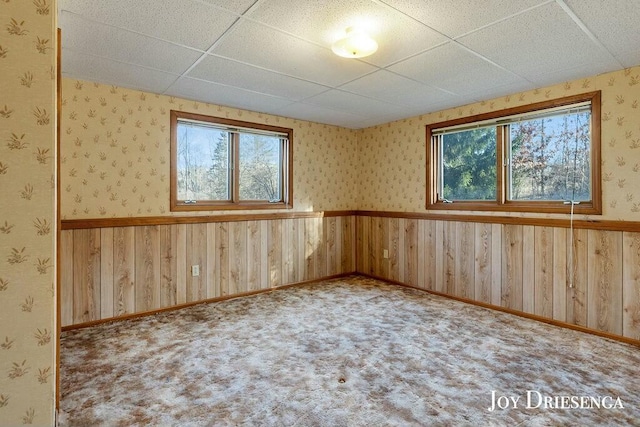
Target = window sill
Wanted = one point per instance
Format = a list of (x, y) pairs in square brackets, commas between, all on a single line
[(209, 206), (584, 208)]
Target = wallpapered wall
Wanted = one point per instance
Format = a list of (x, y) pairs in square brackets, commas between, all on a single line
[(115, 153), (27, 223), (392, 157)]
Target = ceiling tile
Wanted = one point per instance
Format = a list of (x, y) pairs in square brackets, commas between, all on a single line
[(630, 59), (454, 18), (90, 37), (573, 73), (235, 6), (398, 36), (102, 70), (186, 22), (267, 48), (395, 89), (232, 73), (214, 93), (314, 113), (542, 40), (620, 38), (344, 101), (454, 69)]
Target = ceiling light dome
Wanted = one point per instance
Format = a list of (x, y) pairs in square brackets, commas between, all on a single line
[(356, 44)]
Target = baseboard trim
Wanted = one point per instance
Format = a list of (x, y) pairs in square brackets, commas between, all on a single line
[(134, 316), (536, 317)]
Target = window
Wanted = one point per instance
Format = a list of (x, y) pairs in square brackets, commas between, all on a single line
[(542, 157), (219, 163)]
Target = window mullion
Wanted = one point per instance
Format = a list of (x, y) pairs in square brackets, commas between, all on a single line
[(235, 159), (501, 164)]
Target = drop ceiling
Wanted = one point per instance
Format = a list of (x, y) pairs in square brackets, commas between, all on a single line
[(274, 56)]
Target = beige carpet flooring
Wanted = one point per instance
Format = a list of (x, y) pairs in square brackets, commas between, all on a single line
[(348, 352)]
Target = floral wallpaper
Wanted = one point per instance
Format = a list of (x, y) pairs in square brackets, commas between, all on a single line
[(392, 157), (27, 222), (115, 153)]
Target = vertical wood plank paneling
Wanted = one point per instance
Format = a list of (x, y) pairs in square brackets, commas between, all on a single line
[(394, 249), (309, 249), (168, 265), (300, 249), (402, 251), (422, 253), (482, 264), (66, 277), (543, 272), (196, 255), (631, 290), (496, 264), (237, 257), (464, 260), (287, 251), (222, 258), (578, 298), (254, 255), (329, 226), (528, 269), (512, 267), (147, 268), (364, 255), (605, 281), (124, 270), (320, 248), (430, 266), (86, 275), (559, 273), (411, 252), (274, 243), (106, 273), (212, 289), (339, 243), (449, 259), (440, 255), (264, 252), (375, 246), (181, 263), (360, 250)]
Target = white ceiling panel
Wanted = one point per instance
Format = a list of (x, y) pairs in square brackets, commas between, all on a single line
[(398, 35), (267, 48), (185, 22), (274, 56), (233, 73), (344, 101), (200, 90), (598, 15), (106, 41), (457, 17), (314, 113), (387, 86), (102, 70), (454, 69), (234, 6), (542, 40)]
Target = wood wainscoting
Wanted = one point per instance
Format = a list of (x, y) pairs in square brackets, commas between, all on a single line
[(122, 270), (523, 268)]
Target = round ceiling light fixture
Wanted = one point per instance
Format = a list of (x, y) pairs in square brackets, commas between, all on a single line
[(355, 44)]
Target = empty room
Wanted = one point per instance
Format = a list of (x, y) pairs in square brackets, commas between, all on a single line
[(320, 213)]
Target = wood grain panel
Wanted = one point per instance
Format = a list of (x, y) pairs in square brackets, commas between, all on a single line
[(440, 255), (320, 248), (512, 267), (394, 249), (86, 275), (464, 260), (528, 269), (411, 252), (482, 264), (274, 244), (543, 271), (330, 233), (449, 259), (577, 279), (147, 270), (401, 249), (605, 281), (106, 273), (431, 250), (168, 265), (213, 291), (222, 259), (124, 268), (66, 277), (348, 247), (196, 255), (559, 273), (631, 289), (237, 261), (300, 249), (181, 263), (422, 254), (254, 256), (375, 246), (496, 264)]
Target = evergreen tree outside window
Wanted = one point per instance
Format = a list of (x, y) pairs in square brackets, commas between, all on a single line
[(535, 158), (218, 163)]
